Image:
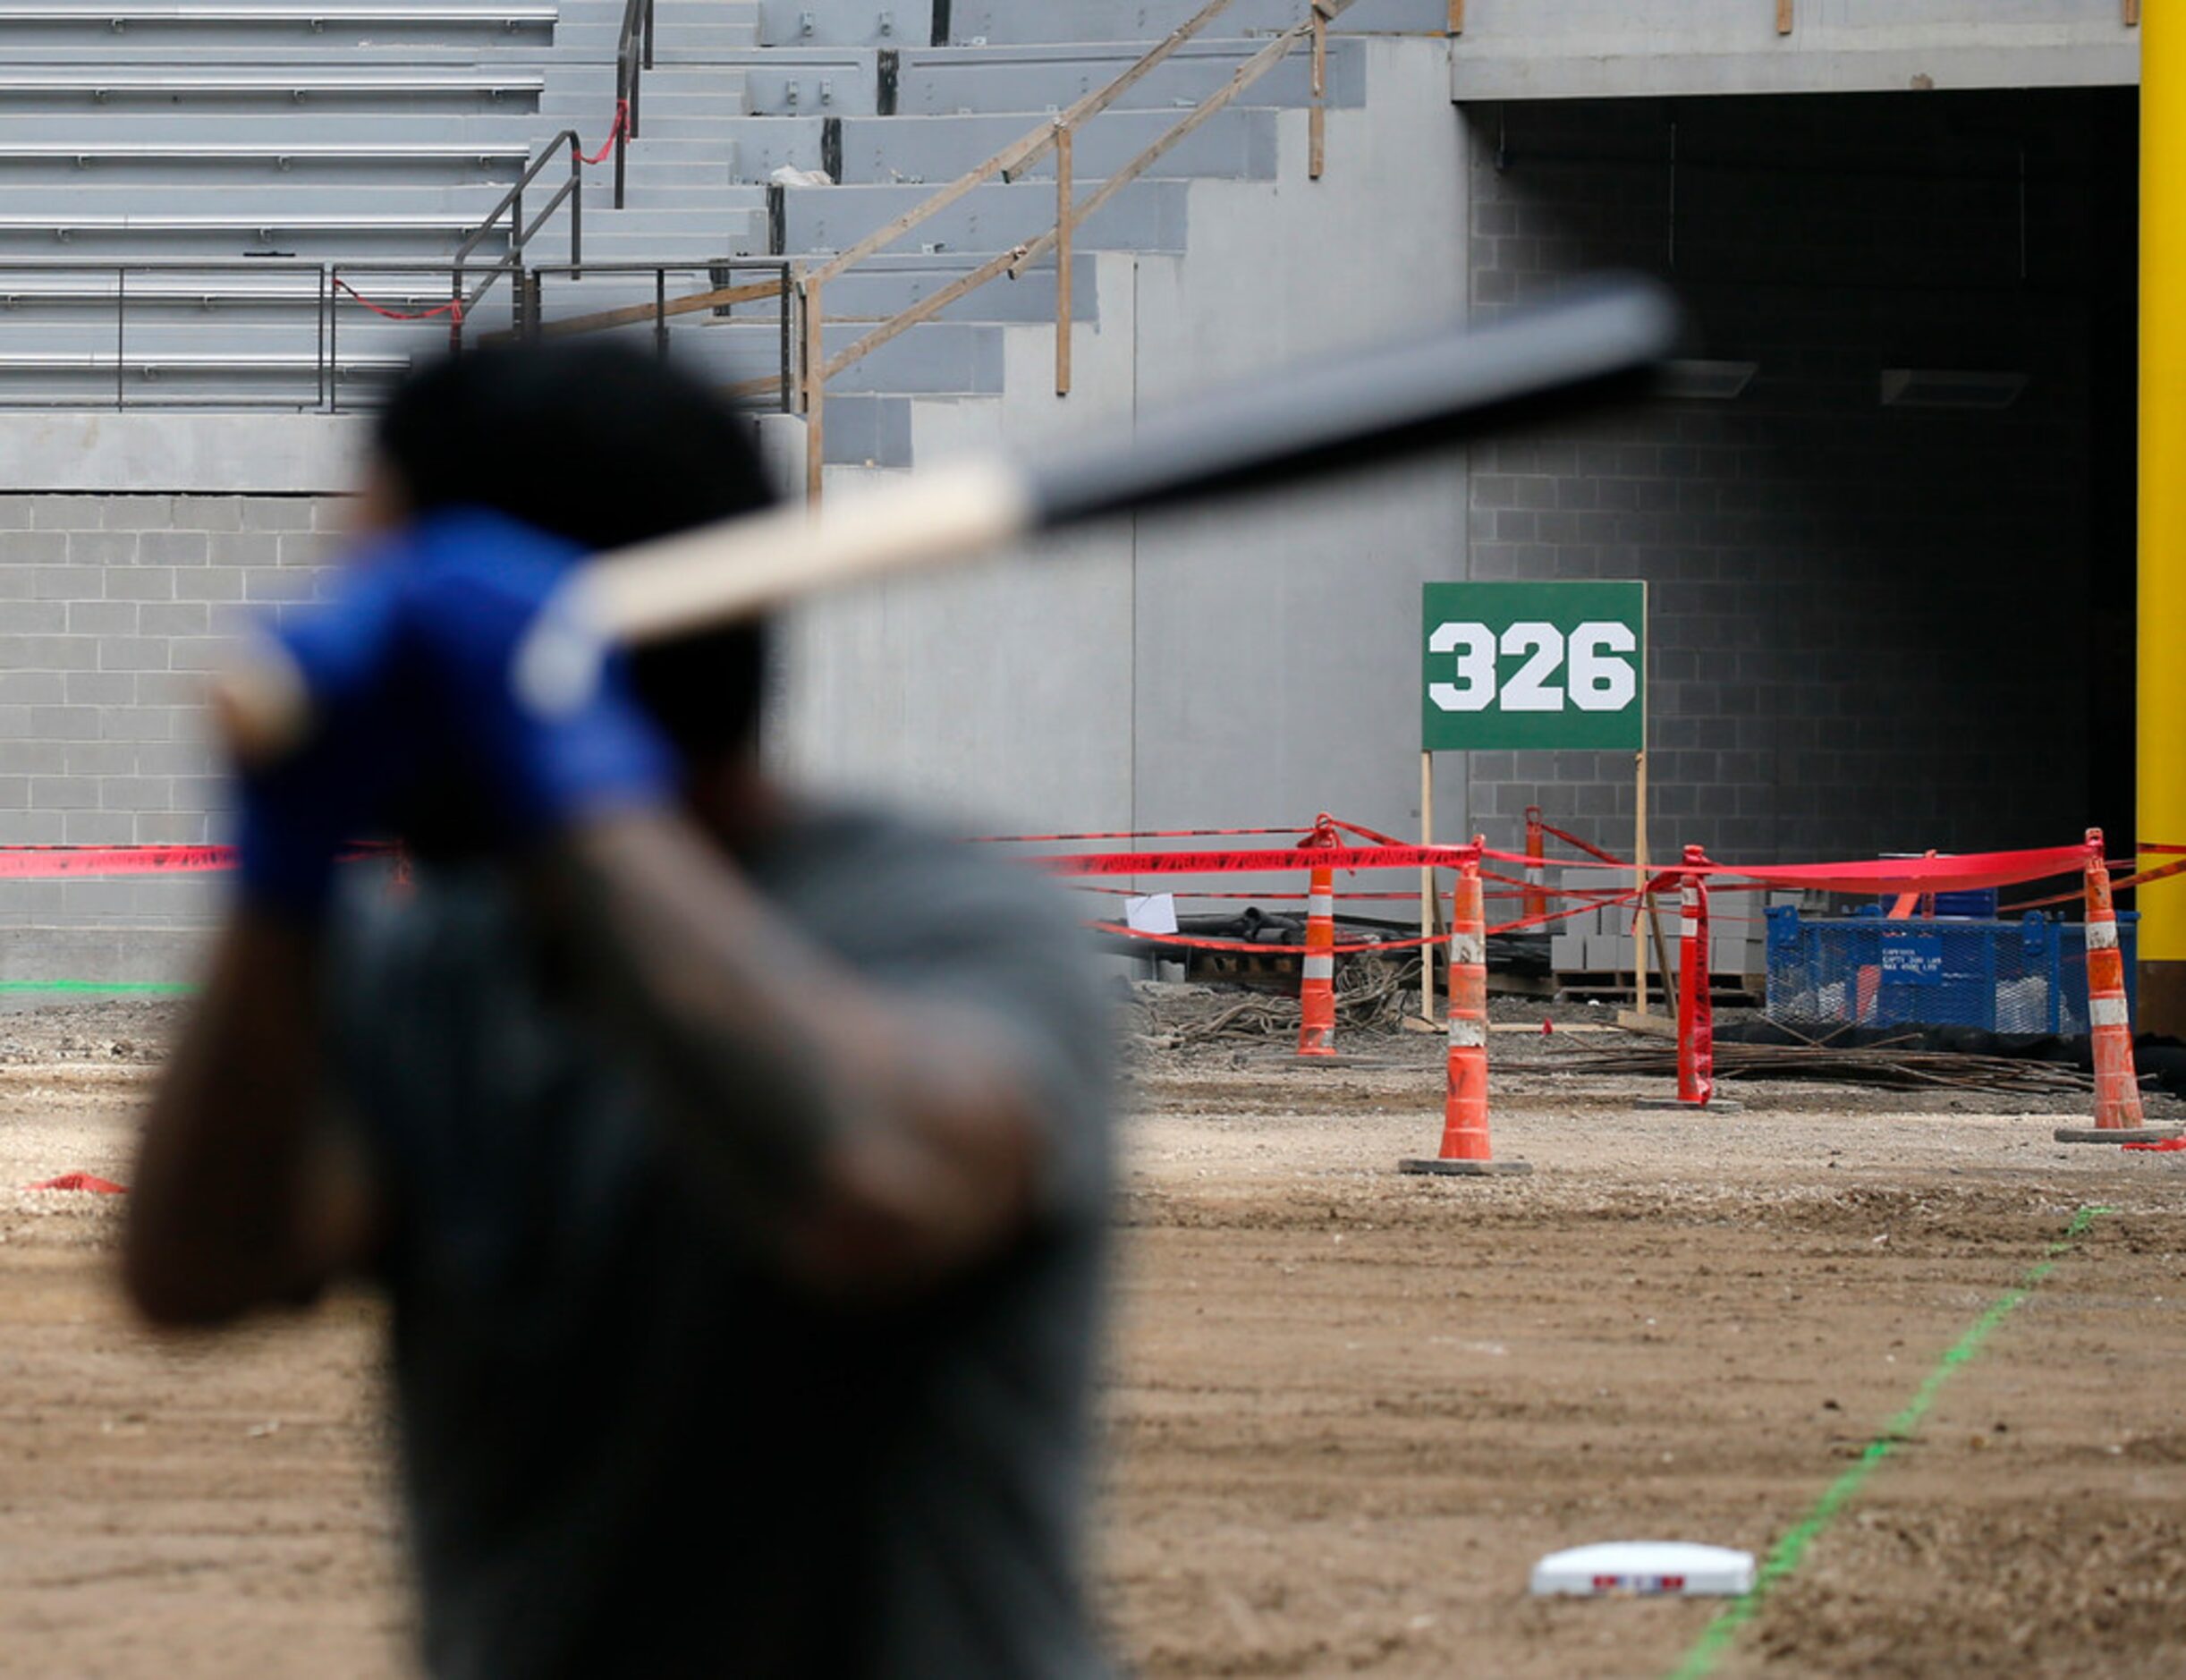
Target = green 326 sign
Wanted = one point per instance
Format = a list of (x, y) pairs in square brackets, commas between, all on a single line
[(1534, 666)]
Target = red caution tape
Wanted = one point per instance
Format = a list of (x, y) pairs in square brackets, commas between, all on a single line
[(53, 863), (1251, 862), (616, 131), (82, 1181), (46, 863), (1127, 834), (1912, 875), (1587, 846), (453, 308)]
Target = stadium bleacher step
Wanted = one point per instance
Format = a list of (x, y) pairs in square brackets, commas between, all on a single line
[(76, 88), (940, 81), (1146, 216), (1023, 22), (1011, 23), (1236, 144), (886, 284), (887, 24)]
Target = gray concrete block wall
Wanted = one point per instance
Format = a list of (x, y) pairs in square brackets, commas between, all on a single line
[(112, 610), (1869, 626)]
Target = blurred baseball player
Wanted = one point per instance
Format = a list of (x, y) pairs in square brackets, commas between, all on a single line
[(735, 1163)]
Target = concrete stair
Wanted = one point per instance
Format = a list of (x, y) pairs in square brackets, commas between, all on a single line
[(387, 139)]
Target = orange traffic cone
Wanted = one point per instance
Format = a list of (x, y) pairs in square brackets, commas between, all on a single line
[(1536, 866), (2110, 1031), (1695, 1003), (1464, 1115), (1316, 992)]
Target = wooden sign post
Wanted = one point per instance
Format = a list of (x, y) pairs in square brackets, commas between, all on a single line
[(1530, 668)]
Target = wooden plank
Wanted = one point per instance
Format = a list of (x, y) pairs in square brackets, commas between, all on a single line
[(1094, 103), (1427, 905), (1018, 261), (816, 389), (1248, 72), (1316, 124), (635, 313), (1021, 153), (926, 309), (1065, 147), (1783, 17)]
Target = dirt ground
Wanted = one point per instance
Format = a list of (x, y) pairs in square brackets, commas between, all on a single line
[(1348, 1409)]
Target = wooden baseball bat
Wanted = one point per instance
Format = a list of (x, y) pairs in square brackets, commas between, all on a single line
[(1281, 429)]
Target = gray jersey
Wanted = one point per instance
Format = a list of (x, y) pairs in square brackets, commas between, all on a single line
[(627, 1448)]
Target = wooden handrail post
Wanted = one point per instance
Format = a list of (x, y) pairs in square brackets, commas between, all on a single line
[(1317, 145), (815, 385), (1065, 145)]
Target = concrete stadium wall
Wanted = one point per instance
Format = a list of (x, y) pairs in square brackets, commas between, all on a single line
[(1522, 49), (114, 604), (1871, 627), (1242, 665), (113, 609)]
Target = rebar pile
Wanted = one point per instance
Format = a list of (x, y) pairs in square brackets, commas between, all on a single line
[(1879, 1066)]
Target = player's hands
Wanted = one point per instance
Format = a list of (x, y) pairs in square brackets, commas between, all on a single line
[(444, 659), (295, 814), (532, 700)]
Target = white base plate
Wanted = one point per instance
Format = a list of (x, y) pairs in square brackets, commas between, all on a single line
[(1652, 1568)]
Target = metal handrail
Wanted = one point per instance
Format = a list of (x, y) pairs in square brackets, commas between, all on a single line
[(633, 56), (520, 234), (718, 298), (325, 353)]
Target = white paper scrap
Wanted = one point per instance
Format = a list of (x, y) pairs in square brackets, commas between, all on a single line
[(1155, 913)]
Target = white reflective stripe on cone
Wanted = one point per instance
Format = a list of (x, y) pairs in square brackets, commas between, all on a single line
[(1320, 905), (2107, 1012), (2102, 935), (1468, 1034), (1468, 950), (1323, 967)]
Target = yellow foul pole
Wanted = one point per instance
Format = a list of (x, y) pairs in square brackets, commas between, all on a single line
[(2160, 790)]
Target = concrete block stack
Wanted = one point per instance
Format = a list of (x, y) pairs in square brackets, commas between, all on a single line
[(1600, 940)]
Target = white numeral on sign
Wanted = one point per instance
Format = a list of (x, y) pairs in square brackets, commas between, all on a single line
[(1530, 691), (1601, 683), (1474, 647), (1602, 677)]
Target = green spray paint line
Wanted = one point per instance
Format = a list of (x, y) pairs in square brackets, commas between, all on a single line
[(163, 989), (1790, 1551)]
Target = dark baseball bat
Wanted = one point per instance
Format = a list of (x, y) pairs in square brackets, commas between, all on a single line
[(1423, 391)]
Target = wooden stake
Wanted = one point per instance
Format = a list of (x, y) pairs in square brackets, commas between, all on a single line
[(1426, 889), (815, 388), (1783, 17), (1317, 120), (1641, 961), (1457, 17), (2133, 13), (1063, 144)]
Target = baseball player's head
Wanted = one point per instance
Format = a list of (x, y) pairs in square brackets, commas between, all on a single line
[(606, 446)]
